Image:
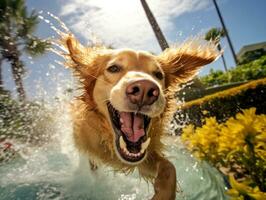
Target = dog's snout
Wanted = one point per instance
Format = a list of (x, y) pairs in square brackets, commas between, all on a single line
[(143, 92)]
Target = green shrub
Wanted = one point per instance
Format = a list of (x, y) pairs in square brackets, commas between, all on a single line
[(252, 55), (25, 122), (224, 104), (250, 71)]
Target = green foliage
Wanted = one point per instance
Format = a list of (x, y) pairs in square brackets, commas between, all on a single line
[(215, 78), (214, 34), (36, 46), (25, 122), (252, 55), (15, 22), (225, 104), (250, 71), (16, 36)]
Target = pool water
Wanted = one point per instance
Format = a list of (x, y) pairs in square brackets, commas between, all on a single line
[(56, 171)]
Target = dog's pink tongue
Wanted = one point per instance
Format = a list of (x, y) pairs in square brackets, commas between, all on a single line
[(126, 123), (132, 126)]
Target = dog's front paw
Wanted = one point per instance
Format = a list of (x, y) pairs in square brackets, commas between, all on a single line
[(165, 182), (163, 196)]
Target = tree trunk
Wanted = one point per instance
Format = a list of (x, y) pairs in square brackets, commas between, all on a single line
[(17, 72), (225, 30), (13, 56), (156, 29), (1, 75), (225, 66)]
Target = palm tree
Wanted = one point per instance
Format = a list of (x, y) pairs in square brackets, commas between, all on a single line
[(1, 78), (225, 31), (16, 28), (215, 35), (156, 29)]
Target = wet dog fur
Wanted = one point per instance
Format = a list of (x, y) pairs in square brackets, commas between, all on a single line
[(105, 75)]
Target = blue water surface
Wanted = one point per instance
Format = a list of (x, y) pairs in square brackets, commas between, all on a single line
[(50, 173)]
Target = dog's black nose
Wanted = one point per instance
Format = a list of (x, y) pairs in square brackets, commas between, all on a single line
[(143, 92)]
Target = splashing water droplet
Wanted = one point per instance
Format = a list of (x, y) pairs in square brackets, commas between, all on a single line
[(62, 24), (47, 21)]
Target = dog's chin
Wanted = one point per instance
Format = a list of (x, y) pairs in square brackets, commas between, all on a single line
[(130, 151)]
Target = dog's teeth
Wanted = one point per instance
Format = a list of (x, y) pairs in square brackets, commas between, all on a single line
[(123, 146), (122, 143), (134, 154), (145, 145), (127, 152)]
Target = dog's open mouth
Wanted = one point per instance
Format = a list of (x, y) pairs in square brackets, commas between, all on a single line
[(130, 133)]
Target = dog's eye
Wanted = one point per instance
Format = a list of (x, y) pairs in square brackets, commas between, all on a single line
[(114, 69), (158, 75)]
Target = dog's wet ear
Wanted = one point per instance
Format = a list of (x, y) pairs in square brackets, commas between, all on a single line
[(85, 60), (77, 52), (181, 63), (87, 63)]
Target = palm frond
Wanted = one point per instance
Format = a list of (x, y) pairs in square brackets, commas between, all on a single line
[(35, 46), (215, 34), (28, 25)]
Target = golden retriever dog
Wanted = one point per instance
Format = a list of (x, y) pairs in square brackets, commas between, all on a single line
[(120, 118)]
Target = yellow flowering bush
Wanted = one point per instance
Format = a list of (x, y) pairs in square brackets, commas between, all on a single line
[(223, 104), (244, 190), (237, 148)]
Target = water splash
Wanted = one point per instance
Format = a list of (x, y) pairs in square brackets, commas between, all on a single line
[(48, 165)]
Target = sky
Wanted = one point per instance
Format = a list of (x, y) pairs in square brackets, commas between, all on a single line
[(122, 23)]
